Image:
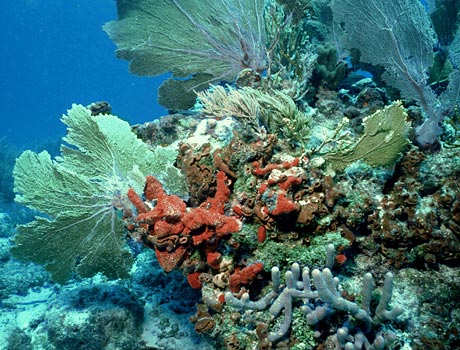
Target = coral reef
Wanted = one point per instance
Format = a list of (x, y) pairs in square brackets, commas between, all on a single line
[(417, 221), (294, 157), (173, 230), (110, 312), (96, 313), (102, 160), (320, 303), (327, 71), (377, 147), (406, 61), (275, 111)]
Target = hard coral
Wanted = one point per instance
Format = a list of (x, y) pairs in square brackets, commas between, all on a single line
[(196, 166), (414, 224)]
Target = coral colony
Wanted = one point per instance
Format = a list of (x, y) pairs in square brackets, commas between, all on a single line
[(306, 140)]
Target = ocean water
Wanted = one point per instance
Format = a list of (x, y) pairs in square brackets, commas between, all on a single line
[(53, 54), (301, 206)]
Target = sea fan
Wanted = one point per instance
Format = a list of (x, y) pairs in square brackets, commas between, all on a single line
[(199, 41), (78, 196)]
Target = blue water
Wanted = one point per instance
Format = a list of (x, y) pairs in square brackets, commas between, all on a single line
[(54, 53)]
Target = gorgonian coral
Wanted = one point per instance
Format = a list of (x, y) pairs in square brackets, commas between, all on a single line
[(78, 195), (202, 41)]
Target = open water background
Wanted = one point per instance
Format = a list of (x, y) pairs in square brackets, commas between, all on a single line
[(54, 53)]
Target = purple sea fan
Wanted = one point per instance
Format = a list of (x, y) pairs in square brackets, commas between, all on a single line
[(398, 35), (198, 41)]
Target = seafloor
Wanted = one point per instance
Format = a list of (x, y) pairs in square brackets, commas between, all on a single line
[(152, 309)]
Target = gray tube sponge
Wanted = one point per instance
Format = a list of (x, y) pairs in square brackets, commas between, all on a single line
[(320, 302)]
